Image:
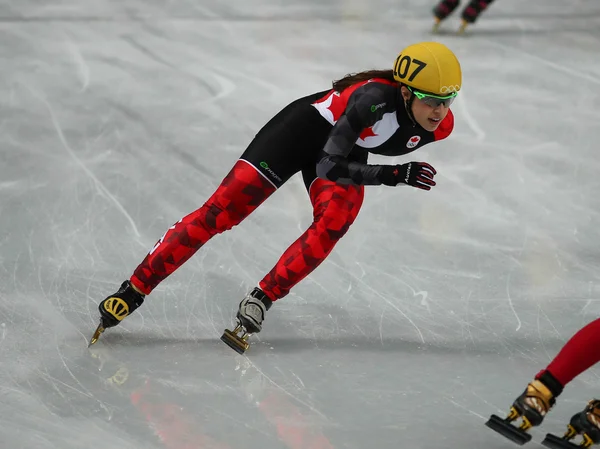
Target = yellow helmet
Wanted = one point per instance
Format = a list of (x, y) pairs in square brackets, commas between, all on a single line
[(429, 67)]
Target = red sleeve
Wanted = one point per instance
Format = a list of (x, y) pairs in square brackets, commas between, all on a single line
[(445, 127)]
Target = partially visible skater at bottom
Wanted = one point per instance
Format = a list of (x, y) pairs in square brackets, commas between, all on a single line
[(327, 136), (469, 16), (580, 353)]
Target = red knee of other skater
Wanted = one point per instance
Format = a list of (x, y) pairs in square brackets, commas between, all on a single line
[(139, 285)]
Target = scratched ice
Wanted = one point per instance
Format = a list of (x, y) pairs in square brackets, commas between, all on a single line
[(118, 118)]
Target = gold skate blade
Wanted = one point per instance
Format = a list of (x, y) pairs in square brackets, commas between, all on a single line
[(554, 442), (96, 335), (239, 345), (504, 428)]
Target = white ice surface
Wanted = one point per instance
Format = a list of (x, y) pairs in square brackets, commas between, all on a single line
[(117, 118)]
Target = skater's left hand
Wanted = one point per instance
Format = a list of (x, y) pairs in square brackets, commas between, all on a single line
[(416, 174)]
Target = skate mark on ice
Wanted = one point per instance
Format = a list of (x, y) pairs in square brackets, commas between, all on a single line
[(462, 105), (240, 423), (299, 380), (164, 308), (154, 57), (541, 311), (3, 327), (391, 304), (30, 417), (364, 273), (207, 314), (423, 294), (190, 302), (517, 261), (99, 185), (275, 93), (226, 87), (275, 384), (424, 302), (498, 409), (284, 375), (465, 408), (540, 334), (510, 303), (543, 61), (9, 184), (158, 327), (84, 391), (55, 382), (381, 326), (466, 322), (83, 69)]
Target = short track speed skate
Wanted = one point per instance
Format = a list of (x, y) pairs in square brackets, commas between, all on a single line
[(585, 423), (441, 11), (250, 317), (116, 307), (530, 407), (438, 23)]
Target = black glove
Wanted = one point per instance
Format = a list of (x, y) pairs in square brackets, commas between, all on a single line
[(416, 174)]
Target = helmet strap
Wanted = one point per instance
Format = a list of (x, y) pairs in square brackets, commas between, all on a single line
[(408, 105)]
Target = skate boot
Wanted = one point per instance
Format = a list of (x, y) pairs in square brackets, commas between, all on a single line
[(472, 12), (116, 307), (442, 10), (585, 423), (537, 400), (250, 317)]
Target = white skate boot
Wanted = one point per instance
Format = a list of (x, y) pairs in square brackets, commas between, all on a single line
[(250, 317)]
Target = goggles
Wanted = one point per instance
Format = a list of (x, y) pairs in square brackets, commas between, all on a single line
[(434, 100)]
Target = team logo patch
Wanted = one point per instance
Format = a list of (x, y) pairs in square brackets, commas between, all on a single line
[(413, 141)]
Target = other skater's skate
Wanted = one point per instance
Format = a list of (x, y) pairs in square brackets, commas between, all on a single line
[(116, 307), (442, 10), (531, 407), (250, 317), (585, 423), (463, 26)]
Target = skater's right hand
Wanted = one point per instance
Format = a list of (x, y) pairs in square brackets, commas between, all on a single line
[(416, 174)]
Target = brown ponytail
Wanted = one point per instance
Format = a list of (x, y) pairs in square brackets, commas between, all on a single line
[(353, 78)]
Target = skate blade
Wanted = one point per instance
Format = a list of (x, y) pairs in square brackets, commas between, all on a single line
[(462, 28), (554, 442), (96, 335), (231, 339), (504, 428)]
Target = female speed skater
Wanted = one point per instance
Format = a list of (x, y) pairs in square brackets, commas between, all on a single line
[(579, 353), (326, 136)]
